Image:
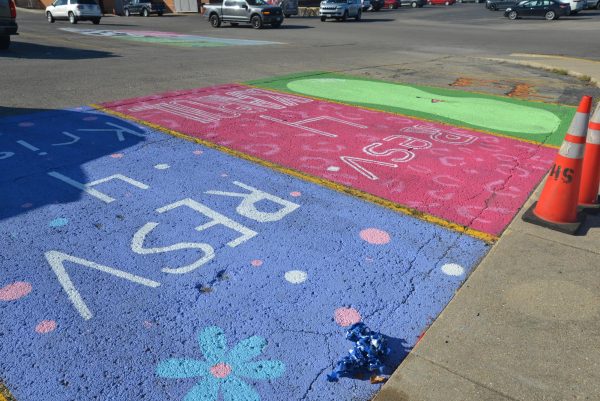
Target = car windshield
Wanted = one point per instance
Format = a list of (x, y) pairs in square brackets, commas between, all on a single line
[(257, 2)]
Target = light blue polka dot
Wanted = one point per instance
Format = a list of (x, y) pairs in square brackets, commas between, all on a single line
[(59, 222)]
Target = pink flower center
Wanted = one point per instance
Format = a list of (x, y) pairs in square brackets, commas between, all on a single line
[(220, 370)]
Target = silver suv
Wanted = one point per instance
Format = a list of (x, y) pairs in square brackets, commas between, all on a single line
[(341, 9)]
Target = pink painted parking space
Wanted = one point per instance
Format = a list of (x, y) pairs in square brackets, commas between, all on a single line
[(463, 176)]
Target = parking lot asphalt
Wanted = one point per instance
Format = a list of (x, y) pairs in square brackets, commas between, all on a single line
[(50, 67)]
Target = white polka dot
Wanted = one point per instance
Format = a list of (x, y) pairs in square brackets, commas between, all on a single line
[(452, 269), (333, 168), (162, 166), (296, 276)]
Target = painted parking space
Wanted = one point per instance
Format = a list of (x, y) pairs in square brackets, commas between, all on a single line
[(140, 266), (452, 176), (167, 38), (544, 123)]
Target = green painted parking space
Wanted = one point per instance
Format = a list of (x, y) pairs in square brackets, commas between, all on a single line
[(537, 122)]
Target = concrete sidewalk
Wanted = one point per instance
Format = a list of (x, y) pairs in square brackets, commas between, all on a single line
[(525, 326)]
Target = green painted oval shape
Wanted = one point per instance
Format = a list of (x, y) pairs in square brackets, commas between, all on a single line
[(489, 114)]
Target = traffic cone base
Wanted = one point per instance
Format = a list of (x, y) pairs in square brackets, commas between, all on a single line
[(568, 228), (592, 208)]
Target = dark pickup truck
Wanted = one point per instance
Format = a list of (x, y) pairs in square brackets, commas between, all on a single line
[(8, 26), (255, 12)]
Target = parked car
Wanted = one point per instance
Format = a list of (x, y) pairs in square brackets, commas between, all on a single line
[(143, 7), (258, 13), (494, 5), (289, 7), (549, 9), (377, 5), (441, 2), (74, 11), (393, 4), (341, 9), (413, 3), (8, 24), (576, 5)]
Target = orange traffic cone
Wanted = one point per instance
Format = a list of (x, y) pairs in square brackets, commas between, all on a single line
[(590, 178), (557, 207)]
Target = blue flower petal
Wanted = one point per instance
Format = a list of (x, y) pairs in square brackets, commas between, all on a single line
[(181, 368), (246, 350), (206, 390), (213, 344), (260, 370), (235, 389)]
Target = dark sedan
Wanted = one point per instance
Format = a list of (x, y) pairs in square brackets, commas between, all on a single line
[(549, 9), (494, 5)]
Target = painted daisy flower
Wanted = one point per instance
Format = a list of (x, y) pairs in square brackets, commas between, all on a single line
[(222, 368)]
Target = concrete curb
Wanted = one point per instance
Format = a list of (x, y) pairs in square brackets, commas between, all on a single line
[(552, 67)]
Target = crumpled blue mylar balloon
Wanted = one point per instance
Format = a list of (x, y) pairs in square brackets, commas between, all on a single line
[(367, 355)]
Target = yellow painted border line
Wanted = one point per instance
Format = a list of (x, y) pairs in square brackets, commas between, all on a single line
[(488, 238), (401, 115)]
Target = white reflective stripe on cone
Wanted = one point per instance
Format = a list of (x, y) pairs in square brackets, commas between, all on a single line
[(593, 137), (572, 150), (579, 124)]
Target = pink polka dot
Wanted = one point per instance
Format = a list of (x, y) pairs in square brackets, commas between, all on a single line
[(346, 316), (117, 155), (224, 175), (375, 236), (197, 152), (45, 326), (90, 118), (26, 205), (220, 370), (14, 291), (148, 324), (26, 124), (295, 194), (256, 262)]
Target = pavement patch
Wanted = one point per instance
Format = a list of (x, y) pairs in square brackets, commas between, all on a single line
[(211, 278), (452, 176), (537, 122), (168, 38)]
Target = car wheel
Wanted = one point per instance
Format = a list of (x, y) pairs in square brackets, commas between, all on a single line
[(127, 14), (447, 3), (598, 6), (323, 19), (345, 16), (512, 15), (358, 16), (145, 12), (49, 17), (256, 22), (215, 21), (72, 18), (550, 15), (492, 7), (96, 21), (288, 15), (390, 6), (4, 42)]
